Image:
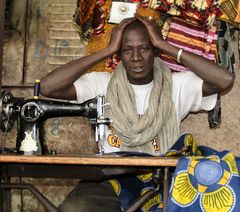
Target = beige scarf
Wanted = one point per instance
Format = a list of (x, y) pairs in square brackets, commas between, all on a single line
[(159, 119)]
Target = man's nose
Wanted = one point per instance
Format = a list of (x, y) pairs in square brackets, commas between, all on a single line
[(136, 55)]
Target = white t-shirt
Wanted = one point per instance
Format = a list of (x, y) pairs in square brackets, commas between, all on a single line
[(142, 94), (187, 97)]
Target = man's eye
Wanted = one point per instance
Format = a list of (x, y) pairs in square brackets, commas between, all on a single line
[(126, 51), (144, 49)]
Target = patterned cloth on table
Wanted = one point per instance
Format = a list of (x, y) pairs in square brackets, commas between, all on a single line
[(191, 37), (129, 188), (204, 180), (208, 184)]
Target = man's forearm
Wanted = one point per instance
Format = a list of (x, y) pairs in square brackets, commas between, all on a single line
[(63, 77), (218, 78)]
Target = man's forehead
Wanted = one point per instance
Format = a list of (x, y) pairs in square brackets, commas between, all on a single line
[(136, 36), (134, 42), (135, 26)]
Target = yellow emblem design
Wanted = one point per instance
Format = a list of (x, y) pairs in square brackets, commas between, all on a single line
[(218, 201), (207, 181), (183, 191)]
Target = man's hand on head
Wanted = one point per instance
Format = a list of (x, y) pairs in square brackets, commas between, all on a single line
[(117, 34), (154, 30)]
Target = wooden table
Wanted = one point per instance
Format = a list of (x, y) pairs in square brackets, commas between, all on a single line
[(107, 160), (77, 166)]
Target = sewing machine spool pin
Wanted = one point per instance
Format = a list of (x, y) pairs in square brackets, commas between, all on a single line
[(101, 122)]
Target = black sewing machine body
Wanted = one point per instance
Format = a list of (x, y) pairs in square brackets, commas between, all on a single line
[(30, 115)]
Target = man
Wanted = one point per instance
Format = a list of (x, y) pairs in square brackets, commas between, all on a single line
[(147, 102)]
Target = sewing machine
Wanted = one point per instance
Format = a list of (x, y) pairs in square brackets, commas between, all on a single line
[(30, 115)]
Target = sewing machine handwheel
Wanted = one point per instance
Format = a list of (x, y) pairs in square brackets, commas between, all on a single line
[(6, 111)]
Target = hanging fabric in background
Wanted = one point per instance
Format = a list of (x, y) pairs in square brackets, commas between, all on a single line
[(227, 57), (191, 37), (202, 11), (90, 18), (231, 12), (227, 38)]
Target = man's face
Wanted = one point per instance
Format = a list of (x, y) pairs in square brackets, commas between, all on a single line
[(137, 55)]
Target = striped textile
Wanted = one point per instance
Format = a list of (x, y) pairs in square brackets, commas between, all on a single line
[(191, 37)]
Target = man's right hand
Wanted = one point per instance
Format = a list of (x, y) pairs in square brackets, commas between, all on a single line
[(117, 33)]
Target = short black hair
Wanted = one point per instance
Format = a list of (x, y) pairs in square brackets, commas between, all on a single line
[(136, 25)]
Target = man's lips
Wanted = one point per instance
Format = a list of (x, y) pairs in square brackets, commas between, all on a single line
[(137, 69)]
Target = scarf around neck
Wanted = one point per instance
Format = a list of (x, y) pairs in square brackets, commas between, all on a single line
[(159, 120)]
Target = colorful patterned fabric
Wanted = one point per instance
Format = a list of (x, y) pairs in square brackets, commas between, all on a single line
[(231, 11), (185, 146), (191, 37), (204, 180), (201, 11), (90, 18), (209, 183), (129, 188)]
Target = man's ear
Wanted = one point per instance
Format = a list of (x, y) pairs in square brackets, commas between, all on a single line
[(118, 55)]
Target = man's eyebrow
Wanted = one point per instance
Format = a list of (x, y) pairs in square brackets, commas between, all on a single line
[(142, 44), (126, 46)]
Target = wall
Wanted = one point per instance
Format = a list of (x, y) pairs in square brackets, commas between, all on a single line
[(52, 41)]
